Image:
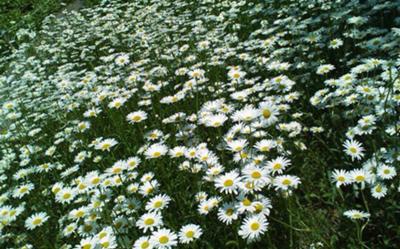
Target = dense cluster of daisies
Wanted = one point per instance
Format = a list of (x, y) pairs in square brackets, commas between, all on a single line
[(137, 125)]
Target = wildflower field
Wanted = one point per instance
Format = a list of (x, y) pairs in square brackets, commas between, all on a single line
[(203, 124)]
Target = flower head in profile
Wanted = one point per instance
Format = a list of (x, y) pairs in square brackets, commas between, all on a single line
[(324, 69), (156, 151), (106, 144), (356, 214), (247, 114), (285, 182), (117, 103)]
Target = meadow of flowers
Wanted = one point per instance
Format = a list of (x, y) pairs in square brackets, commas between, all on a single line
[(157, 124)]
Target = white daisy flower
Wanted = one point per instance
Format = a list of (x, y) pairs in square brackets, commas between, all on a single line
[(228, 183), (106, 144), (324, 69), (143, 243), (164, 239), (36, 220), (341, 177), (227, 213), (149, 221), (189, 233), (386, 172), (253, 227), (117, 103), (379, 191), (285, 182), (356, 214), (136, 117), (156, 151), (354, 149), (265, 145), (122, 60), (278, 165), (158, 202)]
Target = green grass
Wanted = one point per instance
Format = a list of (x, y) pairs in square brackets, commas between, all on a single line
[(26, 14)]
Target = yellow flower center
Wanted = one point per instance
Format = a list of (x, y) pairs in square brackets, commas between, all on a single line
[(37, 221), (256, 175), (95, 180), (87, 246), (189, 234), (266, 113), (249, 185), (105, 244), (216, 124), (360, 178), (145, 245), (117, 170), (79, 213), (259, 207), (255, 226), (277, 166), (67, 196), (156, 154), (163, 240), (228, 183), (102, 235), (229, 212), (158, 204), (246, 202), (105, 146), (149, 221), (136, 118), (23, 190), (341, 179), (238, 148), (353, 150), (149, 190), (286, 182)]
